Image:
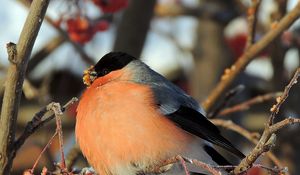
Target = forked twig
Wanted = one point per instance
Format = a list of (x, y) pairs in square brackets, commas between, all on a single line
[(56, 108), (268, 138)]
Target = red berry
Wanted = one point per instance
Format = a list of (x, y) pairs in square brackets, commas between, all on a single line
[(79, 30)]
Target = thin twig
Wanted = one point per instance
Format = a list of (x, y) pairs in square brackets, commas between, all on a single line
[(183, 163), (249, 55), (42, 152), (275, 109), (288, 121), (205, 166), (247, 104), (228, 124)]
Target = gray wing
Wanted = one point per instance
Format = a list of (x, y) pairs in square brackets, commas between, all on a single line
[(168, 96)]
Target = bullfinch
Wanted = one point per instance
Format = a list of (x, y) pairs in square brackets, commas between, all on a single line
[(130, 119)]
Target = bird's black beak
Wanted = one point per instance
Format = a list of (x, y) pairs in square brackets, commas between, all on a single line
[(89, 75)]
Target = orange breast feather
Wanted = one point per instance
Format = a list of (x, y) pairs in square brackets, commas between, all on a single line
[(119, 124)]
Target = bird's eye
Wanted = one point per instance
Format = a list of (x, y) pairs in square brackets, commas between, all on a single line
[(105, 71)]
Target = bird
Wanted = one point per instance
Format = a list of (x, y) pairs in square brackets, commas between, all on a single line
[(130, 119)]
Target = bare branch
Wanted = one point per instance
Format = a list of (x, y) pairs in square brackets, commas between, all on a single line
[(249, 55), (15, 78)]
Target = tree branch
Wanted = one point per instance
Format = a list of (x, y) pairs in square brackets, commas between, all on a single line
[(15, 78), (246, 104), (279, 100), (249, 54)]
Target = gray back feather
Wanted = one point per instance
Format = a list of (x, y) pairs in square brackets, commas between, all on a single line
[(168, 96)]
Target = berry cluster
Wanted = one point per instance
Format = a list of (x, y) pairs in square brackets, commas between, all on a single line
[(81, 29)]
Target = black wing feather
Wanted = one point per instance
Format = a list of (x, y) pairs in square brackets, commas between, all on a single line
[(197, 124)]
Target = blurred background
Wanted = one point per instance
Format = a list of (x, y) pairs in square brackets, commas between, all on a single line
[(190, 42)]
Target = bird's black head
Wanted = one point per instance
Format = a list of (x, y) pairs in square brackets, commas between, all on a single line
[(109, 62)]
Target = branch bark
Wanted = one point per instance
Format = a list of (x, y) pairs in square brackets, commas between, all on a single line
[(15, 78), (249, 55)]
